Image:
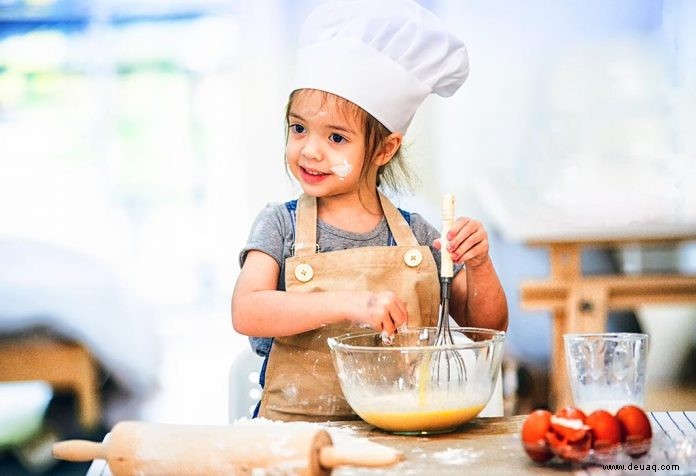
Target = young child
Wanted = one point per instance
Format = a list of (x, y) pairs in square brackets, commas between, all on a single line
[(342, 257)]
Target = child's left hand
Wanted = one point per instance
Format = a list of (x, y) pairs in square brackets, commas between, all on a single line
[(468, 242)]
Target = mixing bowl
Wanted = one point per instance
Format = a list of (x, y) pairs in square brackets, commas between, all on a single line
[(393, 387)]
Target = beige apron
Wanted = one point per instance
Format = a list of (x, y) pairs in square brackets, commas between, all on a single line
[(301, 382)]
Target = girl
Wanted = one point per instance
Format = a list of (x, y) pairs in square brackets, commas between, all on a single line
[(342, 257)]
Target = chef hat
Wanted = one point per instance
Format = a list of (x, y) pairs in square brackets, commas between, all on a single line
[(386, 56)]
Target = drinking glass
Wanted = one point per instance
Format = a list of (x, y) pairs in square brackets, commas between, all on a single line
[(607, 371)]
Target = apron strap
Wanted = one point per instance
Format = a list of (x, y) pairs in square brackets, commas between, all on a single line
[(400, 229), (306, 228)]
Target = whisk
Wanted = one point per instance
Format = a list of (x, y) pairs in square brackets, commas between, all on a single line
[(447, 363)]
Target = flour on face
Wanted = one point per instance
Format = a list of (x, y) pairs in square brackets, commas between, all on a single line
[(342, 170)]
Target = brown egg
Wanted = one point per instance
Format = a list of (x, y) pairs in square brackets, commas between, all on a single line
[(606, 431), (636, 428), (533, 434), (569, 423), (570, 438)]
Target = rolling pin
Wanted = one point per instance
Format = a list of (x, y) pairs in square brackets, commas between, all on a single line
[(137, 448)]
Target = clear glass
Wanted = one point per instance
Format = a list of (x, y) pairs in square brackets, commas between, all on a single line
[(607, 371), (401, 389)]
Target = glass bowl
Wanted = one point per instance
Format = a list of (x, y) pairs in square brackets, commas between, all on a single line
[(398, 387)]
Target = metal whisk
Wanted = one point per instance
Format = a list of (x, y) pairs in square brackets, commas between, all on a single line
[(447, 363)]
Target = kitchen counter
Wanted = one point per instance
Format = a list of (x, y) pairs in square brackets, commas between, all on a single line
[(483, 446)]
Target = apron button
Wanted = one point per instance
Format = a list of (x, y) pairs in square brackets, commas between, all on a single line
[(413, 257), (304, 272)]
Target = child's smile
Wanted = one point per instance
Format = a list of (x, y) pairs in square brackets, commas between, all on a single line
[(312, 176)]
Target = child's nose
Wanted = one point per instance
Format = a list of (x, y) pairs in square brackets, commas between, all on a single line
[(311, 149)]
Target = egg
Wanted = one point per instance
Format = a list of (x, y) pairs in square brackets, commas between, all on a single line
[(606, 431), (570, 438), (569, 424), (575, 437), (636, 428), (533, 434)]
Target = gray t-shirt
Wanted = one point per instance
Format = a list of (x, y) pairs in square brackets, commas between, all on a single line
[(273, 233)]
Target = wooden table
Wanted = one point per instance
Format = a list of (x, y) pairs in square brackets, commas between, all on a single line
[(580, 303), (483, 446)]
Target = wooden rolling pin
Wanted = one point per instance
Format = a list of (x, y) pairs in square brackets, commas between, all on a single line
[(137, 448)]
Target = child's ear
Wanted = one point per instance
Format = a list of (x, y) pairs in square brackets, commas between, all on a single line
[(390, 147)]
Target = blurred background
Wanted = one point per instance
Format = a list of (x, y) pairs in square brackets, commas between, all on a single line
[(139, 139)]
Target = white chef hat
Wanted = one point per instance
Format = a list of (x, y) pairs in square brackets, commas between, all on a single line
[(386, 56)]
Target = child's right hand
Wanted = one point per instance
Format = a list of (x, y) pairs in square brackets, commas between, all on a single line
[(382, 311)]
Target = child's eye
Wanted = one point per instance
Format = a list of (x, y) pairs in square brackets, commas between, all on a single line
[(297, 128), (337, 138)]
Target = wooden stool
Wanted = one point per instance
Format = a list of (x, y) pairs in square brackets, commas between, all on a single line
[(65, 365)]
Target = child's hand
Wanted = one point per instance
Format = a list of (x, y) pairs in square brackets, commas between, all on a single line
[(382, 311), (468, 242)]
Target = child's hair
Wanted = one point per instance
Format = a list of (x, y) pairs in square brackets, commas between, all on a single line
[(395, 174)]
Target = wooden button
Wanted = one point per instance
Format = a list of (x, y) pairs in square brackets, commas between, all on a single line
[(304, 272), (413, 257)]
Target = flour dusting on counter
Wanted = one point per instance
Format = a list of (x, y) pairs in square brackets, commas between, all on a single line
[(456, 456), (344, 436)]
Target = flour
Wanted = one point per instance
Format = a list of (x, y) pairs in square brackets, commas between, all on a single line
[(308, 113), (388, 339), (290, 393), (341, 437), (345, 434), (330, 403), (342, 170), (456, 456)]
